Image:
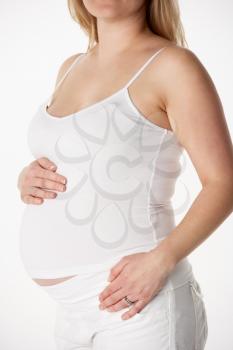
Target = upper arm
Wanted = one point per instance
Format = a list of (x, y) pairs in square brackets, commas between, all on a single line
[(196, 114)]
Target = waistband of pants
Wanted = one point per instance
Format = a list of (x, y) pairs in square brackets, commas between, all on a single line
[(83, 289)]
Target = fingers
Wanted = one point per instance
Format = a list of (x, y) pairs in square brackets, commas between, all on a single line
[(121, 304), (116, 277), (34, 195), (114, 298), (117, 268), (44, 183), (31, 200), (40, 193), (112, 288), (46, 163), (134, 309), (36, 187), (38, 181), (116, 302), (37, 171)]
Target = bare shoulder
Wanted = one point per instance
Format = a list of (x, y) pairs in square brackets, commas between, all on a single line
[(178, 56), (182, 63), (65, 66), (180, 74)]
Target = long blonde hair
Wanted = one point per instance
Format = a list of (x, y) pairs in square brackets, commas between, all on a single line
[(162, 17)]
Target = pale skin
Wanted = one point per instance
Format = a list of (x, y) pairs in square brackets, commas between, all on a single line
[(175, 92)]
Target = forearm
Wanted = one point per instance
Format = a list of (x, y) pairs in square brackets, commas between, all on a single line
[(209, 209)]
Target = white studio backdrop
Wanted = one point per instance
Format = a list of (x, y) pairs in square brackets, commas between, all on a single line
[(35, 38)]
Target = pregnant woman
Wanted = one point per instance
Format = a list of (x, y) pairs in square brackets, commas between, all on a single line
[(98, 232)]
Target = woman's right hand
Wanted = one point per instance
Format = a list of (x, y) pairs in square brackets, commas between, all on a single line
[(38, 180)]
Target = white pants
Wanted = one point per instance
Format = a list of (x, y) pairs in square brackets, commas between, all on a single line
[(175, 319)]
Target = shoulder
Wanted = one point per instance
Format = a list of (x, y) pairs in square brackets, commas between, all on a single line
[(180, 73), (177, 57), (65, 65), (181, 64)]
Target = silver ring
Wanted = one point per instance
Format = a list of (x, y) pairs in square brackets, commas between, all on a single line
[(129, 302)]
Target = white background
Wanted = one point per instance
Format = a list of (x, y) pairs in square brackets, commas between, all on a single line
[(36, 37)]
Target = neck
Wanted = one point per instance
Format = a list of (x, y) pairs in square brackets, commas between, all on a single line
[(118, 35)]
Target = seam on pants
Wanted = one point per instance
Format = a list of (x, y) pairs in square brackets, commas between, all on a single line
[(198, 294), (177, 286), (195, 313), (171, 319), (196, 288)]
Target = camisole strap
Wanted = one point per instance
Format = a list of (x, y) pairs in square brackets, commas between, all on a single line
[(144, 66), (63, 77)]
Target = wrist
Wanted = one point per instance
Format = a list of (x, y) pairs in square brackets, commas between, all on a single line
[(166, 254)]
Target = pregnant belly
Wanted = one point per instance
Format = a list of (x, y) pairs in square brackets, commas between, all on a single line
[(49, 242), (53, 246)]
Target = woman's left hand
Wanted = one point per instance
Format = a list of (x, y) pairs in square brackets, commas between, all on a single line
[(138, 276)]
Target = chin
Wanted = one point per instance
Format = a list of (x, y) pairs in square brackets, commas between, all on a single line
[(102, 8)]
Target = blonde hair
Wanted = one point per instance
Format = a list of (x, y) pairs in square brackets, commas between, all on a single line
[(162, 17)]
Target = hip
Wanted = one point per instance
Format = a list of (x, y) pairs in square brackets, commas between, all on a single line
[(175, 316)]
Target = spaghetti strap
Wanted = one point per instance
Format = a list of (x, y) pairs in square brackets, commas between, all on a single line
[(63, 77), (126, 86), (144, 66)]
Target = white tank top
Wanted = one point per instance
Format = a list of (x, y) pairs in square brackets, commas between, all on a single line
[(121, 171)]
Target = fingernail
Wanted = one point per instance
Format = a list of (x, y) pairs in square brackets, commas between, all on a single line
[(101, 307)]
